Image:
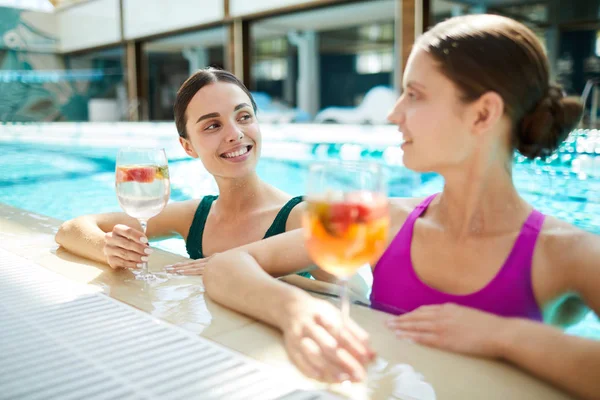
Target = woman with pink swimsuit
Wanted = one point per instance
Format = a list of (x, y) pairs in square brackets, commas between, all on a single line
[(470, 269)]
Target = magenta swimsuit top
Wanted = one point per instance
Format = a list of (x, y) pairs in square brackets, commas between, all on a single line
[(397, 289)]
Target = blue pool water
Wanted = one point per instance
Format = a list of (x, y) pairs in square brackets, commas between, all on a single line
[(64, 182)]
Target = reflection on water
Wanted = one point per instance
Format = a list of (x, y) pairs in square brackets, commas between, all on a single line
[(387, 381), (397, 381), (184, 305), (171, 297)]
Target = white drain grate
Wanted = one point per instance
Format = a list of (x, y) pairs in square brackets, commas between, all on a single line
[(62, 340)]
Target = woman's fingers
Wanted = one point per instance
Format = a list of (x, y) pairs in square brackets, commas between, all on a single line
[(352, 337), (190, 271), (192, 267), (116, 262), (425, 338), (129, 245), (124, 252), (310, 359), (130, 233), (304, 365), (423, 313), (127, 255), (420, 326), (339, 355)]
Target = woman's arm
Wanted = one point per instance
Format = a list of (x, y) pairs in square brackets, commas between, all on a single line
[(569, 362), (570, 259), (277, 256), (239, 279), (87, 235), (579, 264)]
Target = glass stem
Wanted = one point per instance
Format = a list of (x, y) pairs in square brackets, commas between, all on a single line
[(144, 224)]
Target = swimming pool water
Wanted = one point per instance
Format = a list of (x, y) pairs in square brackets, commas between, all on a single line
[(64, 182)]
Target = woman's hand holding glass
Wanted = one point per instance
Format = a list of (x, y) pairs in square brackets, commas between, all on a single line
[(126, 247), (346, 221), (143, 189), (322, 347), (345, 225)]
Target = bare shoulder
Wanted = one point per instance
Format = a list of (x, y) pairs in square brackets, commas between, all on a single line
[(562, 238), (177, 217), (565, 248), (568, 262), (182, 208)]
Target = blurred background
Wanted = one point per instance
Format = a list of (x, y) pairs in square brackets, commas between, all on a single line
[(307, 61), (81, 78)]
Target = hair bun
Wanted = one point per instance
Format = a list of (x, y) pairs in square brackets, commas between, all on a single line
[(543, 129)]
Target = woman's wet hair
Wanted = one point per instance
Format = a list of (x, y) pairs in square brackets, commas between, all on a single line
[(195, 83), (490, 53)]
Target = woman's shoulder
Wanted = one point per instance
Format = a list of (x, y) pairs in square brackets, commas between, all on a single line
[(178, 215), (560, 237), (184, 205), (285, 209), (566, 248), (567, 264)]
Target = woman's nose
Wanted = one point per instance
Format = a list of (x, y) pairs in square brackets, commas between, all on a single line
[(234, 133), (396, 115)]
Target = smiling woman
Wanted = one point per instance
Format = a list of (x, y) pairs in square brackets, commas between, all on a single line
[(215, 116)]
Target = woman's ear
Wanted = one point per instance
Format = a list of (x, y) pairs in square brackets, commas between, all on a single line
[(187, 146), (488, 110)]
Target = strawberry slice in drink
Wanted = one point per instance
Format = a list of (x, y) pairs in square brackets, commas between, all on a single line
[(122, 175), (142, 174), (370, 212), (369, 206), (364, 212), (136, 174), (341, 217)]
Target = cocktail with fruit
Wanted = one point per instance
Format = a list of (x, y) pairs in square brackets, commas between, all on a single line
[(343, 235), (346, 221), (142, 186)]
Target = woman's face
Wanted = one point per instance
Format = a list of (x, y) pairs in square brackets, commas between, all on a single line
[(222, 130), (430, 116)]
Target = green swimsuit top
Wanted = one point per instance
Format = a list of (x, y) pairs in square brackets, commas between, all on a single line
[(193, 244)]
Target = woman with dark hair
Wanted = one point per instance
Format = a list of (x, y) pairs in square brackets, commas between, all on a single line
[(470, 269), (215, 116)]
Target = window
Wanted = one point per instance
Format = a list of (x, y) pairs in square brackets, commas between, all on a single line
[(37, 5), (374, 62), (272, 69)]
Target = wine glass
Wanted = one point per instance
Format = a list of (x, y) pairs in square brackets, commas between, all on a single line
[(143, 189), (346, 221)]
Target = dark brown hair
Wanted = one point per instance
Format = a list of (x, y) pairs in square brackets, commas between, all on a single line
[(483, 53), (193, 84)]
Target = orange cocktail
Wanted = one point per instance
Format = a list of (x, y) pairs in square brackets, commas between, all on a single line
[(344, 234)]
